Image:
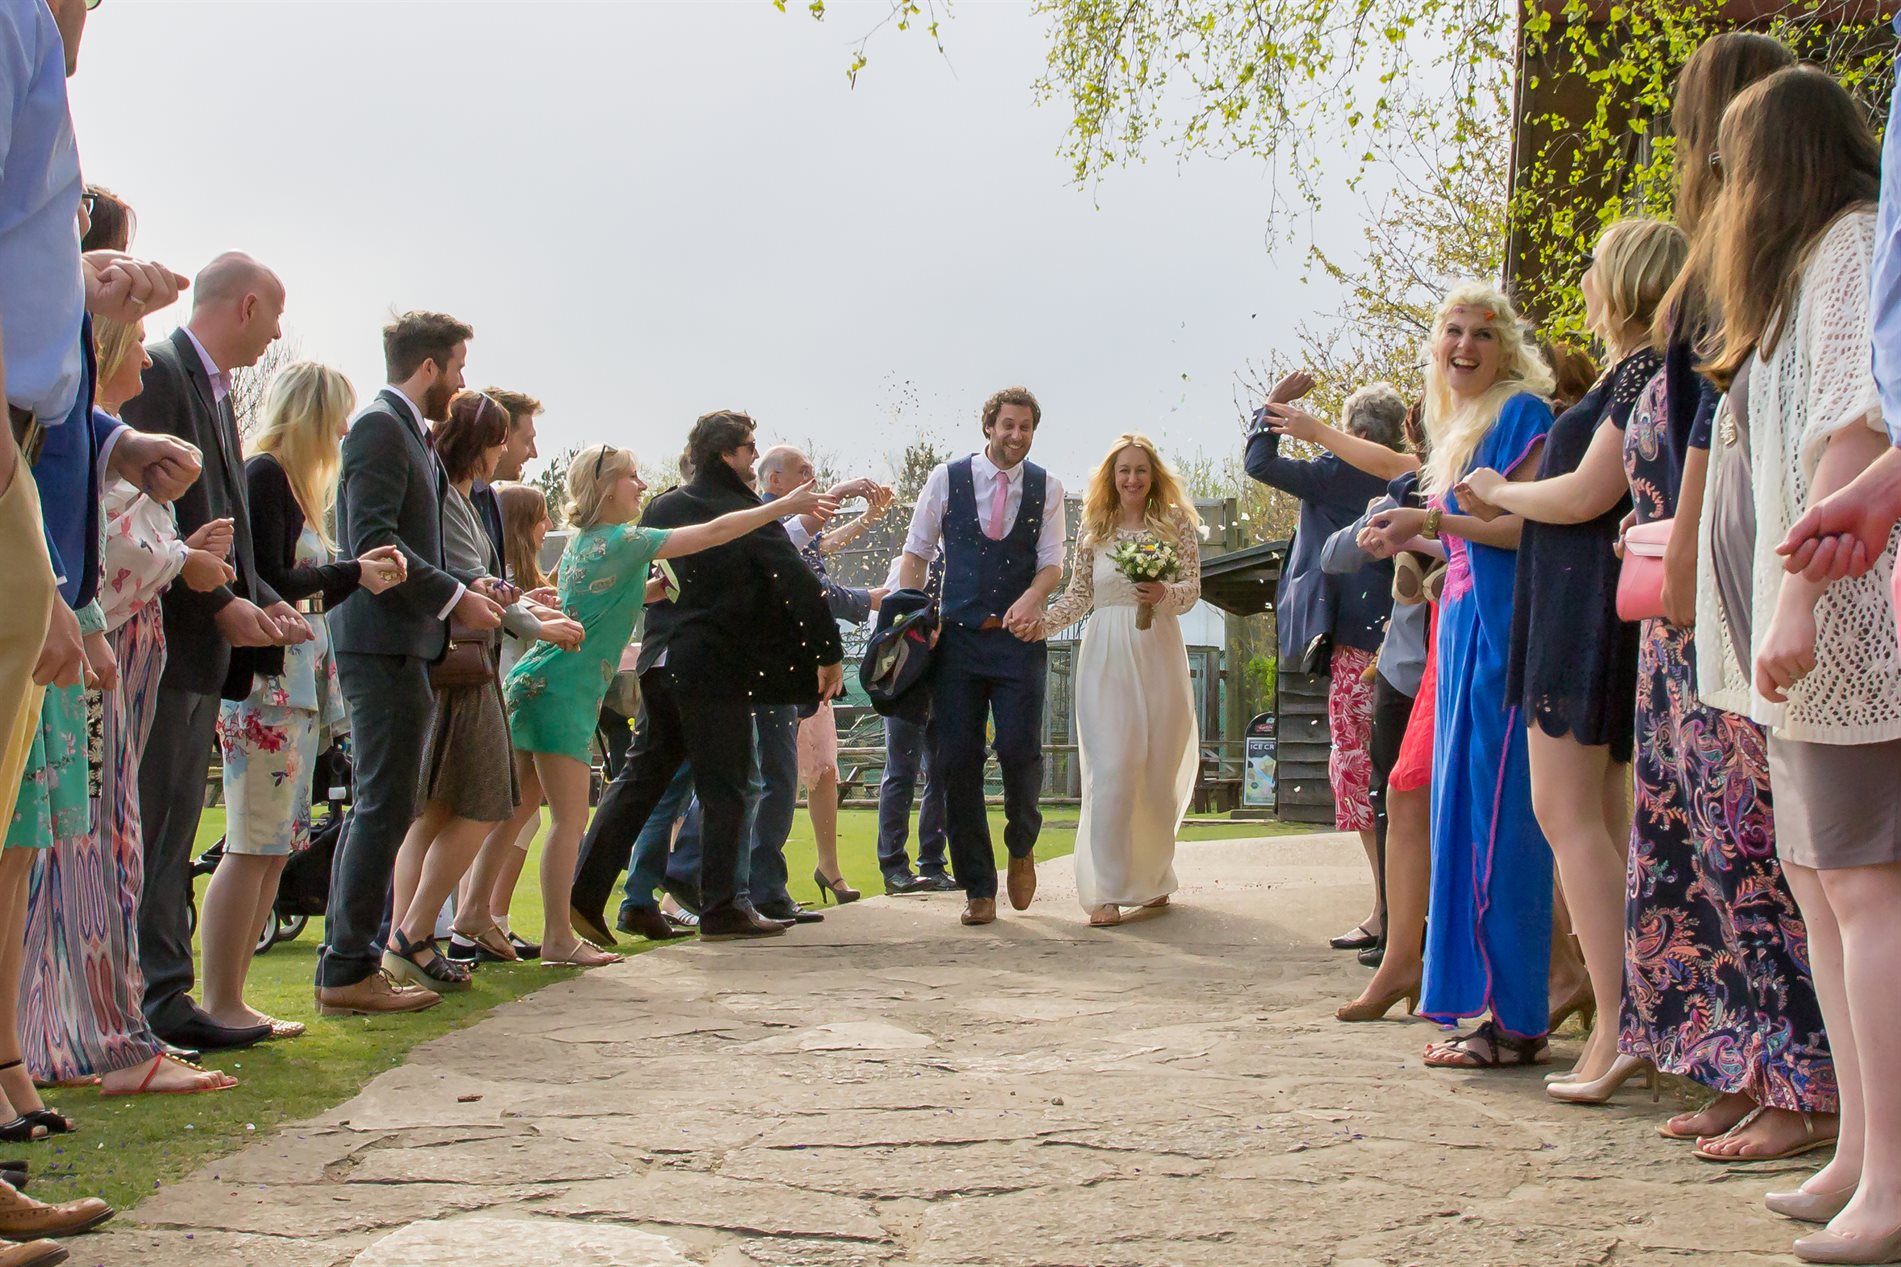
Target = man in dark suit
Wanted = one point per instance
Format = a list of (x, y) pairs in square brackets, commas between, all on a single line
[(391, 494), (215, 641), (749, 628)]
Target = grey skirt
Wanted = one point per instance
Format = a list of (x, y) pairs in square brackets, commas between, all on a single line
[(469, 765), (1836, 805)]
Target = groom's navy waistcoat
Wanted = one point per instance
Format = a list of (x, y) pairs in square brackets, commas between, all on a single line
[(983, 577)]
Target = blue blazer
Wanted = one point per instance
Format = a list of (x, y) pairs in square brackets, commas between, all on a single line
[(67, 474), (1352, 609)]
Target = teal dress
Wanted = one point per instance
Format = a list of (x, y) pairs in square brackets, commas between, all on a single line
[(554, 696)]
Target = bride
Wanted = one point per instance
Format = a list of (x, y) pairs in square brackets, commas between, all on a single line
[(1135, 711)]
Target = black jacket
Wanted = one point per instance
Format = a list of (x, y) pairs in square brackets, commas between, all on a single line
[(391, 493), (177, 400), (276, 523), (751, 618)]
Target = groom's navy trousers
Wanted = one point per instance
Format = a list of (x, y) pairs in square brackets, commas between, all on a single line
[(980, 675)]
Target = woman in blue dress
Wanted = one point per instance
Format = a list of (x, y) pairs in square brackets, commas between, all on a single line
[(1488, 928)]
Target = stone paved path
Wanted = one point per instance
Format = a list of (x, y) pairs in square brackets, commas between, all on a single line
[(889, 1090)]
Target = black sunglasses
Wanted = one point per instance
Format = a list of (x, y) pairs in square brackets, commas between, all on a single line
[(601, 458)]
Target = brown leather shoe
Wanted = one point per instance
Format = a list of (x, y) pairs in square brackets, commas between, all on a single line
[(980, 910), (1021, 882), (22, 1216), (31, 1254), (375, 995), (739, 925)]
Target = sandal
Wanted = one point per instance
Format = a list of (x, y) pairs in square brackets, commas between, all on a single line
[(436, 972), (42, 1119), (580, 957), (281, 1030), (1152, 903), (55, 1123), (1105, 916), (1358, 938), (224, 1081), (1811, 1140), (491, 939), (1457, 1053), (22, 1131)]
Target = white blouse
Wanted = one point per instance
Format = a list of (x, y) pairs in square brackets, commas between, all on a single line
[(1817, 382)]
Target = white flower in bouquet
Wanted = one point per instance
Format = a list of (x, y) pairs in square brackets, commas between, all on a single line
[(1146, 558)]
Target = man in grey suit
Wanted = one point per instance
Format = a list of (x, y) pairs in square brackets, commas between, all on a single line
[(391, 494), (214, 641)]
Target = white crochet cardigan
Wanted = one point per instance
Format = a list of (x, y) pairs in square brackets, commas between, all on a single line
[(1818, 381)]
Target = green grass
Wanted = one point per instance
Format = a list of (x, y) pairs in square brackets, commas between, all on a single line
[(125, 1148)]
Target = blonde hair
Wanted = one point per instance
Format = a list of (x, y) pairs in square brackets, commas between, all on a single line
[(523, 507), (590, 477), (1102, 504), (112, 342), (303, 415), (1456, 427), (1636, 262)]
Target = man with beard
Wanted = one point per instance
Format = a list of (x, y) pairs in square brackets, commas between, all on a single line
[(1000, 519), (390, 494)]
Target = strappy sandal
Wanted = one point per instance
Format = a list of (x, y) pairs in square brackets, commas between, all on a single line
[(1458, 1053), (224, 1081), (1811, 1141), (281, 1030), (491, 939), (34, 1123), (435, 972), (572, 959), (22, 1130)]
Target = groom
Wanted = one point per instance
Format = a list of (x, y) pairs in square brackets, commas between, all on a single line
[(1000, 519)]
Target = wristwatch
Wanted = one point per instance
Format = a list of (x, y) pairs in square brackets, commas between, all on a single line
[(1431, 530)]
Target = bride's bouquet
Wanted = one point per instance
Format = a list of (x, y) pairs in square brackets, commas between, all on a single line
[(1146, 558)]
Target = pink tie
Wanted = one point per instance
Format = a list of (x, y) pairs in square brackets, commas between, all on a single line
[(995, 530)]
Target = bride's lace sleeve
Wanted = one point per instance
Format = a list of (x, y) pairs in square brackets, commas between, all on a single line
[(1075, 601), (1185, 590)]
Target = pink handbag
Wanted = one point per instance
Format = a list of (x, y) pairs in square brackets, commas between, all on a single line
[(1640, 582)]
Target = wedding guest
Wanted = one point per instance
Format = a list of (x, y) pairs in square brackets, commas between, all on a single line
[(1573, 667), (82, 994), (1488, 925), (270, 740), (492, 877), (999, 518), (215, 642), (1135, 707), (1704, 875), (1573, 372), (908, 745), (751, 627), (392, 492), (1787, 261), (1334, 624), (813, 750), (518, 451), (468, 783)]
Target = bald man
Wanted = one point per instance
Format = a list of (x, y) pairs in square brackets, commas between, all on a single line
[(215, 642)]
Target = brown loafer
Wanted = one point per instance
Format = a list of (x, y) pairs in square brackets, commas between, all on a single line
[(1021, 882), (378, 994), (22, 1217), (31, 1254), (980, 910)]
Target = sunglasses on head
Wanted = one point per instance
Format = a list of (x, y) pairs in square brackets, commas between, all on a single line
[(601, 459)]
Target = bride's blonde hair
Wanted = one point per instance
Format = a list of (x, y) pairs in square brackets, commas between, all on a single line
[(1456, 427), (1102, 504)]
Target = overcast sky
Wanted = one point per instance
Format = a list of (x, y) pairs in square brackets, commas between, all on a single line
[(649, 210)]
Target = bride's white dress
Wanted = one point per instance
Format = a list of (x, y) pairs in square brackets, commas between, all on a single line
[(1135, 721)]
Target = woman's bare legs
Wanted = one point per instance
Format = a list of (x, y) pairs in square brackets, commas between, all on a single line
[(17, 1093), (1408, 887), (1567, 795), (444, 864), (501, 893), (237, 902), (564, 781), (821, 802), (410, 858), (1845, 1043), (498, 857)]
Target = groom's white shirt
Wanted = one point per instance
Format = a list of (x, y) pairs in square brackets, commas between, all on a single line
[(927, 520)]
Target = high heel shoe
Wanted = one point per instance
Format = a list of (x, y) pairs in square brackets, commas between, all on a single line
[(1600, 1090), (1809, 1207), (1376, 1009), (1832, 1247), (1582, 1004), (828, 890)]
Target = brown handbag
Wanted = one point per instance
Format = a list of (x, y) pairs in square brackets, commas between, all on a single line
[(469, 661)]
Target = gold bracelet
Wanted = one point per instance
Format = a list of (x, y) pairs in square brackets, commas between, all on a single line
[(1431, 530)]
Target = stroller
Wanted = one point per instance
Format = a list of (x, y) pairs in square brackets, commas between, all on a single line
[(304, 888)]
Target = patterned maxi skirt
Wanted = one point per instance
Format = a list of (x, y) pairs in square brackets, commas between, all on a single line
[(1716, 970), (80, 992)]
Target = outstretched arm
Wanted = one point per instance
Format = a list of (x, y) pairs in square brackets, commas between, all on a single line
[(693, 538), (1368, 455)]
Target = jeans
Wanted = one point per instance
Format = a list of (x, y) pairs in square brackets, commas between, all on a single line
[(907, 746), (653, 863)]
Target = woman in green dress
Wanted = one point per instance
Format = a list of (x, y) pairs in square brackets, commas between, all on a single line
[(554, 697)]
